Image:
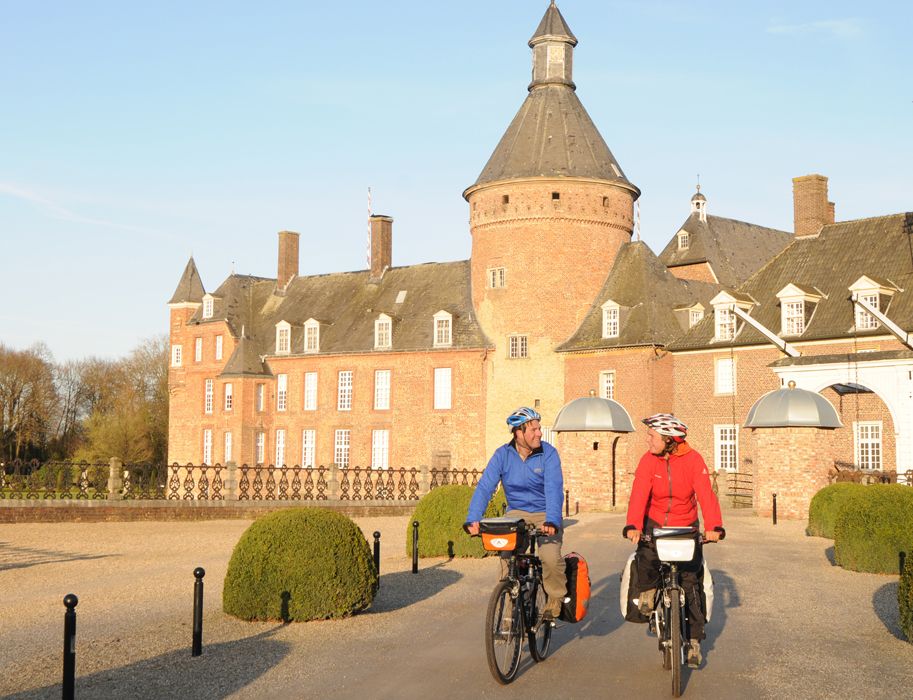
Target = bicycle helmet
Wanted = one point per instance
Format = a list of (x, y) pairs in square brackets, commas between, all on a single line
[(666, 424), (522, 415)]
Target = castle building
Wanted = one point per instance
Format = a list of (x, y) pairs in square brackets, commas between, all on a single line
[(419, 365)]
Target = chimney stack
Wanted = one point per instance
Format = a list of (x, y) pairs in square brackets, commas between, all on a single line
[(288, 258), (811, 209), (381, 244)]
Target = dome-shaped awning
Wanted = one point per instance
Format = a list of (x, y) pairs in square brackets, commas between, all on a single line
[(792, 408), (590, 414)]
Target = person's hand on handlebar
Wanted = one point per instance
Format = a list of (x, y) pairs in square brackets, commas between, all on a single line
[(712, 536), (473, 528), (548, 529), (634, 535)]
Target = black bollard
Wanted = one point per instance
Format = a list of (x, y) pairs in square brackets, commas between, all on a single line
[(577, 508), (415, 547), (902, 557), (377, 551), (567, 503), (775, 509), (197, 649), (69, 646)]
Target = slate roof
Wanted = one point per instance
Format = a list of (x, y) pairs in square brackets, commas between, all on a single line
[(734, 249), (346, 304), (647, 294), (190, 288), (830, 262), (553, 24)]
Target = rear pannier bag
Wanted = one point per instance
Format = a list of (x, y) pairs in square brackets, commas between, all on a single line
[(630, 593), (503, 534), (577, 601)]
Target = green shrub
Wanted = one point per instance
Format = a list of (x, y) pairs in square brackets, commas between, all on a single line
[(822, 511), (300, 564), (905, 596), (873, 527), (441, 514)]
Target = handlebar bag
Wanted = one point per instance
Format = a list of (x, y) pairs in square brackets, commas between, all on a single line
[(577, 601), (503, 534)]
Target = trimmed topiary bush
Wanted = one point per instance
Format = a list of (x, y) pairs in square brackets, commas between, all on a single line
[(873, 527), (905, 596), (822, 511), (300, 564), (441, 514)]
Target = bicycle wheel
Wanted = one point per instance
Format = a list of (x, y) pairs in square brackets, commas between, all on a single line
[(663, 634), (503, 633), (675, 645), (540, 639)]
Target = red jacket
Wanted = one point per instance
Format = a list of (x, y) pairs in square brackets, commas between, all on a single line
[(665, 489)]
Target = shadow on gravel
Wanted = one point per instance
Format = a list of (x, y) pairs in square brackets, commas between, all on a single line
[(829, 553), (403, 588), (222, 670), (884, 600), (725, 596), (25, 557)]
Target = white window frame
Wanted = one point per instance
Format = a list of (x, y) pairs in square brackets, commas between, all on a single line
[(198, 350), (310, 391), (383, 332), (382, 381), (724, 322), (341, 447), (726, 447), (283, 338), (207, 306), (695, 316), (207, 447), (863, 319), (868, 445), (281, 392), (684, 240), (792, 316), (380, 449), (227, 447), (260, 445), (443, 388), (218, 347), (724, 380), (308, 447), (344, 390), (443, 329), (207, 396), (607, 384), (311, 336), (177, 355), (280, 447), (518, 346), (229, 396), (611, 320), (497, 277), (260, 398)]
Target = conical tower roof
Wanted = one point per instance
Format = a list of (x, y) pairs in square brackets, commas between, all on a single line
[(190, 288), (553, 25)]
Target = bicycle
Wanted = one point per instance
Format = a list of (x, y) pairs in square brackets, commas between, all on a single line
[(673, 546), (517, 601)]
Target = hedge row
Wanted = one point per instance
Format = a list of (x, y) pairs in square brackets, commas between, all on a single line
[(873, 527), (441, 514), (905, 597), (823, 509)]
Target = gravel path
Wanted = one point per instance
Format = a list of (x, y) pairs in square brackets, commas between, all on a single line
[(786, 622)]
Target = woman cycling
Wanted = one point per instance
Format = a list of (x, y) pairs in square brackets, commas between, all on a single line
[(671, 479)]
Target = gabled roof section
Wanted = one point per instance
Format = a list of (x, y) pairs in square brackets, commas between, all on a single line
[(648, 295), (553, 25), (190, 288), (830, 262), (734, 249), (245, 361)]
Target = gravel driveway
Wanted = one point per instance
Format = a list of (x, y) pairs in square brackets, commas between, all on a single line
[(786, 622)]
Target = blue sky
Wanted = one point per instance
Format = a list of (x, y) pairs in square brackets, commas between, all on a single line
[(133, 135)]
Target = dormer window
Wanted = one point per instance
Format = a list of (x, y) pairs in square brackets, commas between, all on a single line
[(684, 240), (443, 329), (311, 335), (874, 293), (695, 316), (283, 338), (724, 319), (207, 306), (793, 317), (864, 320), (383, 333), (797, 304), (610, 316)]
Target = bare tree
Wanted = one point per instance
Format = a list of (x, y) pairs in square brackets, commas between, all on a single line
[(28, 398)]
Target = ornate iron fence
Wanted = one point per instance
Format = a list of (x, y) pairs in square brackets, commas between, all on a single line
[(33, 480), (442, 476)]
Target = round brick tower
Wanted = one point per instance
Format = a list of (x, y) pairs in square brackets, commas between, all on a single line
[(547, 215)]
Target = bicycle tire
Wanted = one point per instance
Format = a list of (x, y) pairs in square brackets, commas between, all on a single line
[(539, 640), (503, 637), (675, 646), (665, 646)]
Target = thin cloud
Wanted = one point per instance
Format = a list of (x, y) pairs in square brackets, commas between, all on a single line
[(849, 28)]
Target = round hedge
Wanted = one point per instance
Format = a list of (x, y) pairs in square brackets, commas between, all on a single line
[(873, 527), (300, 564), (905, 597), (823, 509), (441, 514)]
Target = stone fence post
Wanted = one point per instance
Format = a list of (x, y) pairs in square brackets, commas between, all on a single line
[(334, 483), (115, 479), (424, 480), (231, 481)]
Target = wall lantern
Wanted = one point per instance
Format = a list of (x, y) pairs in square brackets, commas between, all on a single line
[(792, 408)]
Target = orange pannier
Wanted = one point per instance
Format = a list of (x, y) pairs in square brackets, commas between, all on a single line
[(503, 534)]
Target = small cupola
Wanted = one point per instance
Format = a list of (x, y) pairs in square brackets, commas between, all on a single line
[(553, 50), (699, 205)]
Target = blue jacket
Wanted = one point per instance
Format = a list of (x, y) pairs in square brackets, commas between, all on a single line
[(535, 485)]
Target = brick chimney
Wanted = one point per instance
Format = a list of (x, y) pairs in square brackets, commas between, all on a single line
[(381, 244), (288, 258), (811, 209)]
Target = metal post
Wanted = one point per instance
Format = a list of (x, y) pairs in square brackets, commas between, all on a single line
[(377, 551), (775, 509), (567, 503), (902, 557), (69, 646), (415, 547), (197, 649)]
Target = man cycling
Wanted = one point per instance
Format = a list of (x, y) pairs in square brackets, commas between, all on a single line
[(530, 471), (670, 480)]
